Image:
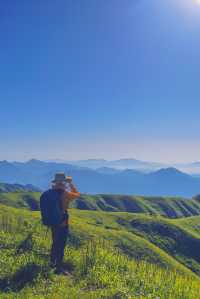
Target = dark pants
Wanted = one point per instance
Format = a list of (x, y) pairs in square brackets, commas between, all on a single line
[(59, 239)]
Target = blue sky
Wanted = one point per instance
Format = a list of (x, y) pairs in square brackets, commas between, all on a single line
[(100, 79)]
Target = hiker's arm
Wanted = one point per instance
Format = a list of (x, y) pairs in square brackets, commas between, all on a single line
[(70, 195), (73, 194), (73, 188), (67, 197)]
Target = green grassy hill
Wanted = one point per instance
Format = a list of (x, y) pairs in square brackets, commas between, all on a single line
[(171, 207), (192, 224), (21, 199), (175, 239), (109, 254), (17, 188)]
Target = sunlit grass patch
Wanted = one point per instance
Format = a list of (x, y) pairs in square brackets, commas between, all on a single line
[(98, 266)]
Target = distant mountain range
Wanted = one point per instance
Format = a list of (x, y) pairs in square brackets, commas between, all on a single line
[(144, 166), (116, 164), (162, 182)]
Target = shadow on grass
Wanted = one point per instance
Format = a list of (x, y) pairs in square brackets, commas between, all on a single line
[(25, 275), (26, 245)]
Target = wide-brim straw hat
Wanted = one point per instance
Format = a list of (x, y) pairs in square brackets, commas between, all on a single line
[(60, 177)]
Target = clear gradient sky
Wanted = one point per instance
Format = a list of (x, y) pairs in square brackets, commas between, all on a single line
[(100, 79)]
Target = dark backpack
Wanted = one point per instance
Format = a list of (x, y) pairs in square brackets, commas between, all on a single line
[(50, 206)]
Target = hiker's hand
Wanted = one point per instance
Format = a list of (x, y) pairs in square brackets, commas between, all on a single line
[(69, 179), (73, 189)]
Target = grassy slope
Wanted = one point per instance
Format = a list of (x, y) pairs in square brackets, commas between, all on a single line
[(90, 225), (177, 240), (117, 228), (16, 187), (98, 271), (192, 224), (170, 243), (139, 235), (21, 199), (165, 206)]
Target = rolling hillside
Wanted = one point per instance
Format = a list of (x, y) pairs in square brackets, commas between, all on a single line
[(21, 199), (144, 221), (144, 253), (17, 188), (192, 224), (107, 257), (171, 207)]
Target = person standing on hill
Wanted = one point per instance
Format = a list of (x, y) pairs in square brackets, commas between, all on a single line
[(54, 205)]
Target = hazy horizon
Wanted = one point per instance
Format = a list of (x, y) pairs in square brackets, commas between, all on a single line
[(101, 158)]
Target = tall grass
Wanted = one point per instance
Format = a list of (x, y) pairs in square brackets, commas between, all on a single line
[(97, 269)]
